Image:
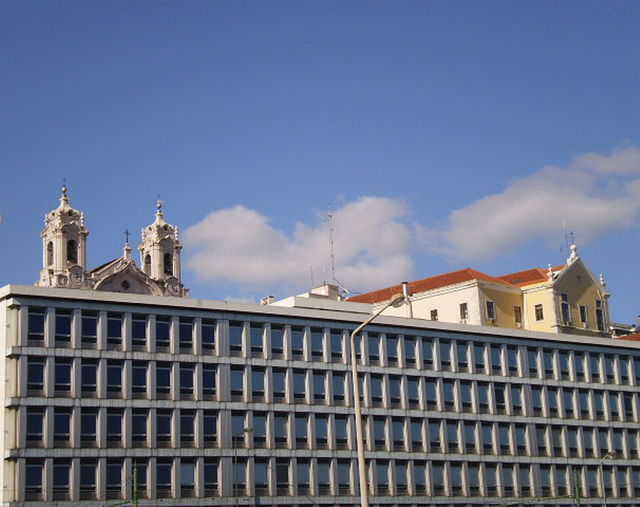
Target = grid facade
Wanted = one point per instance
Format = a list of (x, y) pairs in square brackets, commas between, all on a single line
[(208, 406)]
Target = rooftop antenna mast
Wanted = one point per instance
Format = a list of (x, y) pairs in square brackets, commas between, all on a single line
[(332, 255)]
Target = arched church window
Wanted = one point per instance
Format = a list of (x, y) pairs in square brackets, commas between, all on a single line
[(49, 253), (72, 251), (168, 264), (147, 264)]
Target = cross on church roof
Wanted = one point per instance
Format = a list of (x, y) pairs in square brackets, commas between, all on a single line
[(126, 235)]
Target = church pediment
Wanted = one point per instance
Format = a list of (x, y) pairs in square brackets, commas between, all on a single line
[(125, 276)]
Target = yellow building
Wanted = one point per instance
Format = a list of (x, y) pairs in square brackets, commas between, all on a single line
[(563, 299)]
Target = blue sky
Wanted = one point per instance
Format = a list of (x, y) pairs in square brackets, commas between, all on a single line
[(441, 135)]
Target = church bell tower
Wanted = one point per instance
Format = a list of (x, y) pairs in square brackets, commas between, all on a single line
[(64, 247), (160, 254)]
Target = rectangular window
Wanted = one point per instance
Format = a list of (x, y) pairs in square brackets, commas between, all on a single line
[(280, 430), (114, 479), (374, 348), (491, 311), (257, 384), (319, 387), (163, 380), (36, 321), (279, 385), (277, 341), (317, 344), (209, 382), (539, 312), (89, 378), (379, 433), (566, 312), (164, 478), (187, 478), (299, 386), (341, 431), (63, 327), (33, 480), (187, 428), (336, 345), (259, 428), (187, 373), (427, 354), (434, 314), (392, 350), (395, 394), (464, 312), (208, 336), (584, 319), (185, 329), (89, 325), (139, 379), (114, 428), (255, 336), (139, 428), (470, 437), (210, 477), (139, 332), (397, 431), (237, 383), (210, 428), (599, 315), (435, 440), (61, 470), (235, 338), (409, 351), (478, 353), (88, 469), (297, 342), (35, 426), (463, 356), (487, 438), (62, 377), (163, 333), (88, 426), (517, 315), (163, 428), (302, 431), (322, 431), (62, 427), (445, 355), (114, 379), (483, 398), (114, 331)]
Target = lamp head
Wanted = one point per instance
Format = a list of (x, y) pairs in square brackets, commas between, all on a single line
[(396, 300)]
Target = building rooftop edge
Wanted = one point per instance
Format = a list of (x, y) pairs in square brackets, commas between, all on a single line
[(306, 311)]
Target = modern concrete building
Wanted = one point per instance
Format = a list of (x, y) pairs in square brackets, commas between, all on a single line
[(99, 384), (115, 392)]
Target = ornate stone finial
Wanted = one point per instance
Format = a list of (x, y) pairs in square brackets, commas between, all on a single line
[(574, 254), (64, 197), (550, 272), (602, 282)]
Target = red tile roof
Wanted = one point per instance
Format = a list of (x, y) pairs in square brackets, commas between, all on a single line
[(528, 276), (426, 284)]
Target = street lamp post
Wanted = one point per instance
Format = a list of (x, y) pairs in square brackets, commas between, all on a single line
[(395, 301), (235, 460), (609, 455)]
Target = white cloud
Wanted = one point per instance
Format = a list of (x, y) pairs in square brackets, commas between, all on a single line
[(239, 245), (374, 241), (595, 194)]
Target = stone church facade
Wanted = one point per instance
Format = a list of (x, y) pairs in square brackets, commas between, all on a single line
[(64, 259)]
